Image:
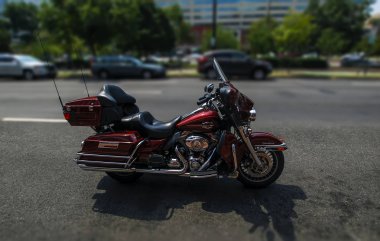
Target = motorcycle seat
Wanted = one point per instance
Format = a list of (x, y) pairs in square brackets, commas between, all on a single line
[(112, 95), (148, 126)]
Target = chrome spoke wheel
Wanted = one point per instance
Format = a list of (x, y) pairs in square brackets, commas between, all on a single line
[(252, 171)]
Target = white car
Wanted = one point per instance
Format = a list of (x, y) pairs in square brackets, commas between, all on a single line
[(25, 66)]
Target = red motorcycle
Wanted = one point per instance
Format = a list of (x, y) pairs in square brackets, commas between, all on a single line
[(215, 140)]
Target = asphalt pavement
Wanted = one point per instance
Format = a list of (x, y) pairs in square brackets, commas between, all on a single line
[(329, 190)]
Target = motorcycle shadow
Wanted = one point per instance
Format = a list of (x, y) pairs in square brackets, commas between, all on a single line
[(154, 198)]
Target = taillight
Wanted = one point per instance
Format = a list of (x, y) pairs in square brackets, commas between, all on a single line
[(202, 59), (91, 61), (66, 115)]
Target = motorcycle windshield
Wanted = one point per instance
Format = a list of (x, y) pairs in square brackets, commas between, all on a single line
[(219, 72)]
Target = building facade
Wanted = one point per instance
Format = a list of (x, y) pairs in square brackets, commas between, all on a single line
[(236, 15), (2, 5), (4, 2)]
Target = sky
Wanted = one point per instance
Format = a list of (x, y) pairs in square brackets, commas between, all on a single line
[(376, 7)]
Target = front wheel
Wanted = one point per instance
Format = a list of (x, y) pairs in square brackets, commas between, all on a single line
[(124, 177), (28, 75), (254, 176)]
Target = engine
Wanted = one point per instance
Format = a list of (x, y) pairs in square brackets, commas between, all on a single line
[(197, 146)]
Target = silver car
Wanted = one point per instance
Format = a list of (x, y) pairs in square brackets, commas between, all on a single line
[(25, 66)]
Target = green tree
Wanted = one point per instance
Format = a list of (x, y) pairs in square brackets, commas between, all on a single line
[(5, 37), (57, 21), (293, 34), (142, 27), (181, 29), (331, 42), (225, 39), (93, 22), (343, 16), (260, 36), (23, 19), (73, 22)]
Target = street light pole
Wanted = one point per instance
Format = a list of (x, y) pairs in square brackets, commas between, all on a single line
[(269, 8), (213, 38)]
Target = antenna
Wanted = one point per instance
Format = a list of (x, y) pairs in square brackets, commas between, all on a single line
[(81, 70), (46, 59)]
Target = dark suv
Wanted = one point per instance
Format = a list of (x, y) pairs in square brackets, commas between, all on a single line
[(123, 66), (234, 63)]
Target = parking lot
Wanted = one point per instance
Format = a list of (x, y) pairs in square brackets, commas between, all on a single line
[(329, 189)]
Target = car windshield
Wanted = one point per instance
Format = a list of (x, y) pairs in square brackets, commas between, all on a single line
[(28, 59), (136, 61)]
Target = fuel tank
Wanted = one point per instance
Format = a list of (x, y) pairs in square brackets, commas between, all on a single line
[(201, 121)]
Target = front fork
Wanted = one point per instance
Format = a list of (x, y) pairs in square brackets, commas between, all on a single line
[(244, 135)]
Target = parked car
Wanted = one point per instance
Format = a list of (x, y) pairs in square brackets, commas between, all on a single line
[(358, 60), (354, 59), (125, 66), (25, 66), (234, 63)]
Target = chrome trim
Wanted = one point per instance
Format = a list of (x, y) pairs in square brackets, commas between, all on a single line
[(248, 143), (193, 112), (104, 169), (234, 173), (234, 156), (132, 158), (181, 171), (283, 145), (204, 176), (205, 165), (100, 155), (197, 174), (182, 159), (252, 114), (98, 162), (207, 125)]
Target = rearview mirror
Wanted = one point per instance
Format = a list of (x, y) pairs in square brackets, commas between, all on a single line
[(209, 88)]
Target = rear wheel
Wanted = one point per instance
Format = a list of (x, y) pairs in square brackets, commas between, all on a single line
[(146, 74), (259, 74), (124, 177), (254, 176)]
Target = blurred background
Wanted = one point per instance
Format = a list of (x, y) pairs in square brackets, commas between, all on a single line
[(312, 68), (316, 38)]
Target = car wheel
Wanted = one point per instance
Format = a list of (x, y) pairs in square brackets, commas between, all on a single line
[(211, 74), (28, 75), (259, 74), (103, 74), (147, 74)]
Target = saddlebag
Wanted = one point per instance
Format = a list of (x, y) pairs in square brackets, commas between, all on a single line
[(108, 149)]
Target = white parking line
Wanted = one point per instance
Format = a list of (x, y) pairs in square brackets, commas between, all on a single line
[(37, 120)]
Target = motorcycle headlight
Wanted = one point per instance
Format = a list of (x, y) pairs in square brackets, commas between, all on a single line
[(252, 114)]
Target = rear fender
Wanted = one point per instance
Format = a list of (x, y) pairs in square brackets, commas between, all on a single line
[(268, 141)]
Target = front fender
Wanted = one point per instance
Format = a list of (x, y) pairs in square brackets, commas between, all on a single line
[(268, 141)]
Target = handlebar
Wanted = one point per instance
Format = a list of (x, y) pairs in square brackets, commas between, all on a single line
[(204, 99)]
